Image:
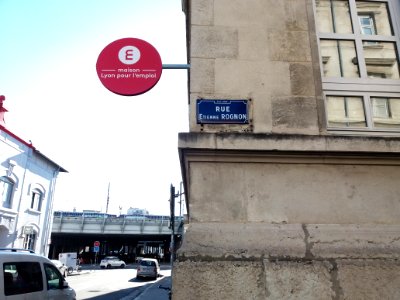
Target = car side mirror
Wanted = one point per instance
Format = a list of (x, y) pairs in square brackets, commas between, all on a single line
[(65, 284)]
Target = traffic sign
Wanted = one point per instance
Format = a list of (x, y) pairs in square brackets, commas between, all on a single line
[(129, 66), (96, 249), (96, 244)]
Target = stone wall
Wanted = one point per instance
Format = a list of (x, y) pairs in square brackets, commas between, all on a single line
[(288, 261), (257, 50)]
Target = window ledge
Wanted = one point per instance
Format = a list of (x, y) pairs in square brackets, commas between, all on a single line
[(33, 211), (377, 61), (372, 45), (362, 132), (7, 212)]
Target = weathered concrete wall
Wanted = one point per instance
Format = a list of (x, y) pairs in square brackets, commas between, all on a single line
[(294, 217), (292, 179), (305, 193), (319, 280), (255, 241), (288, 261), (259, 280), (219, 280)]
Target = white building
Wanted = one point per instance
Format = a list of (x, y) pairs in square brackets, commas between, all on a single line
[(27, 185)]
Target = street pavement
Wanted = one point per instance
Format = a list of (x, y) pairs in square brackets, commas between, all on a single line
[(157, 291)]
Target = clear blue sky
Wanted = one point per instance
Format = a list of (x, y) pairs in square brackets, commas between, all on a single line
[(49, 50)]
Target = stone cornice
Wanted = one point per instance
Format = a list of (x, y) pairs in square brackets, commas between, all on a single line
[(287, 143)]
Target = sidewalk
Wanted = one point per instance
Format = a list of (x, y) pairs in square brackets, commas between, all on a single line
[(153, 292)]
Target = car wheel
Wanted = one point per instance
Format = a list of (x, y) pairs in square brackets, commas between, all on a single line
[(122, 266), (108, 266), (70, 270)]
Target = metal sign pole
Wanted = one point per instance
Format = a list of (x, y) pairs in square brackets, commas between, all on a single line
[(176, 66), (172, 211)]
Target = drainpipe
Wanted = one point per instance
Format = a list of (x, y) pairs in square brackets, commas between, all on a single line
[(49, 214), (20, 197)]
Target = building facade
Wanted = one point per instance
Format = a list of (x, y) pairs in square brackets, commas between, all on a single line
[(27, 185), (301, 199)]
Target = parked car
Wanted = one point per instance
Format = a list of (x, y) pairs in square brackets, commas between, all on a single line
[(148, 267), (61, 267), (112, 262), (26, 275)]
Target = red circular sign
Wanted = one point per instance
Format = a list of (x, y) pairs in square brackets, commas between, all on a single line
[(129, 67), (96, 243)]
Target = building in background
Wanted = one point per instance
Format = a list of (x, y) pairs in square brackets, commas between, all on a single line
[(292, 163), (27, 185), (137, 211)]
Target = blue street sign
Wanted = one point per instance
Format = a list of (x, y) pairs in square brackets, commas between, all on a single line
[(96, 249), (211, 111)]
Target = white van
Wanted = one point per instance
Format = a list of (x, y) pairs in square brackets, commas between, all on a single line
[(26, 275)]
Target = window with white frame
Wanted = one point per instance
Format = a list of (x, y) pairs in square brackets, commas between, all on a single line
[(30, 240), (36, 200), (359, 50), (367, 24), (6, 191)]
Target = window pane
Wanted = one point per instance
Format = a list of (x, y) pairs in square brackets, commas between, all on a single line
[(339, 58), (386, 112), (6, 189), (345, 111), (381, 59), (36, 201), (374, 18), (54, 279), (22, 278), (333, 16), (29, 241), (367, 25)]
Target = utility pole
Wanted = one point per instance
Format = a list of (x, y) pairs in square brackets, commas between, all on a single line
[(180, 198), (108, 198), (172, 223)]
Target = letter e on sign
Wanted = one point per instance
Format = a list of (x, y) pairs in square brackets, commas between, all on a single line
[(129, 67)]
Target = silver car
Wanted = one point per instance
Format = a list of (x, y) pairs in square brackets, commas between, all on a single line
[(148, 267)]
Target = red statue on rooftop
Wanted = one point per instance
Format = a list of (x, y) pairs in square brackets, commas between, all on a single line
[(2, 111)]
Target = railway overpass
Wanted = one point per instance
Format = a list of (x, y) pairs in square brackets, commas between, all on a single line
[(127, 236)]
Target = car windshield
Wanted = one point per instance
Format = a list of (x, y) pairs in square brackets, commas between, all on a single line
[(147, 263), (57, 263), (110, 258)]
